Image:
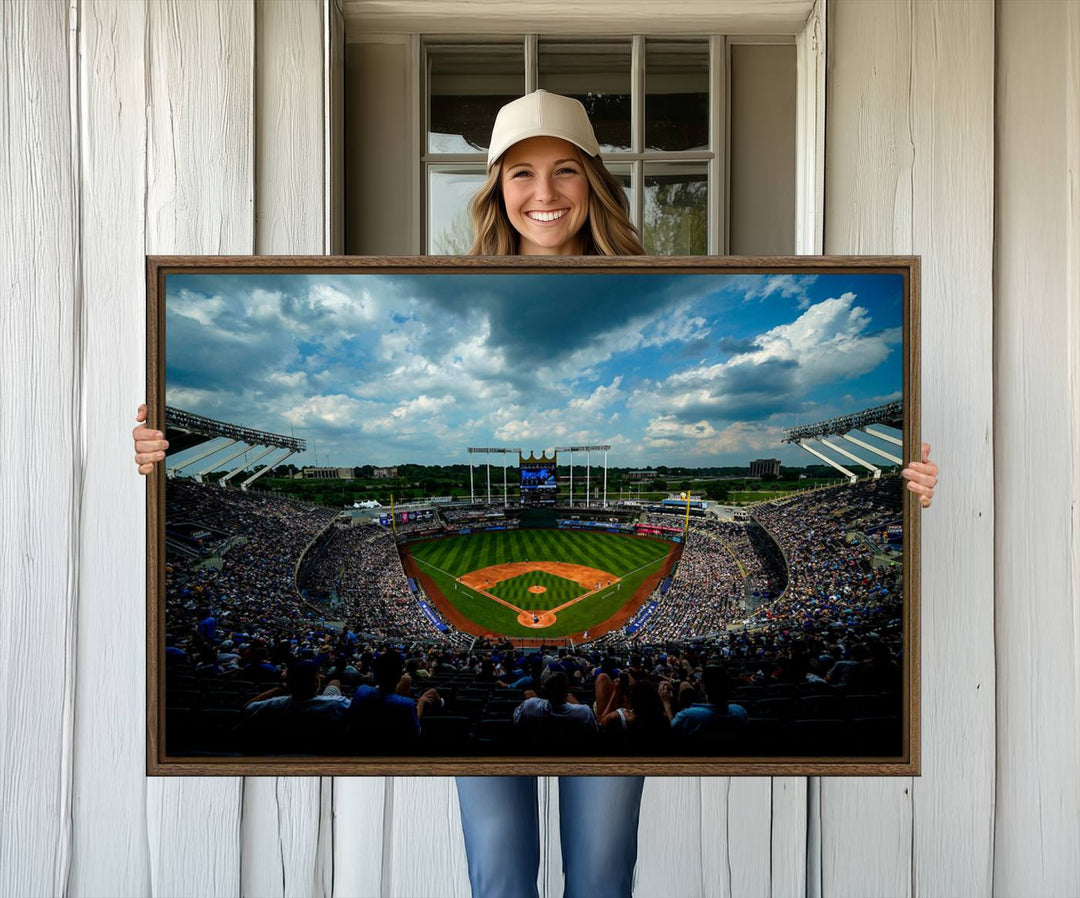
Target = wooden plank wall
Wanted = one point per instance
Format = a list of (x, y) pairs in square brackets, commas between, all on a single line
[(909, 169), (1037, 450), (953, 131), (40, 437)]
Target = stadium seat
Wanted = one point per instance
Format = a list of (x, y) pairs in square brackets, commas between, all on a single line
[(473, 708), (185, 698), (809, 706), (773, 707), (228, 698), (501, 707), (868, 705), (814, 689), (444, 735), (495, 735)]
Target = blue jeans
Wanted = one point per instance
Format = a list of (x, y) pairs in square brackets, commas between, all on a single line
[(598, 821)]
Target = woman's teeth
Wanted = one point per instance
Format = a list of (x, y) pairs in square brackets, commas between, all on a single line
[(546, 216)]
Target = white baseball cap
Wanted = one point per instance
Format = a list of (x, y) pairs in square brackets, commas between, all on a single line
[(541, 114)]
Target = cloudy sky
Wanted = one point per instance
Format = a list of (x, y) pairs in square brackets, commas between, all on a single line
[(675, 369)]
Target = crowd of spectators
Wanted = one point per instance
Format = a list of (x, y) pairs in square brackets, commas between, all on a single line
[(739, 693), (360, 572), (473, 517), (248, 658), (243, 583), (721, 561), (836, 575), (473, 514)]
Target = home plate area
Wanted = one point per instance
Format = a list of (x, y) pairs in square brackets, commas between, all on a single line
[(537, 590)]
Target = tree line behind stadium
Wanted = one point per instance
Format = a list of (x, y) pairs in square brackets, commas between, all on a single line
[(422, 481)]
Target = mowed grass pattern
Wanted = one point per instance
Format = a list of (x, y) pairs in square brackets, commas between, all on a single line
[(559, 590), (633, 558)]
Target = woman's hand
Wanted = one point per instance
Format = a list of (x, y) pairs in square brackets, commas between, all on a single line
[(150, 445), (922, 477)]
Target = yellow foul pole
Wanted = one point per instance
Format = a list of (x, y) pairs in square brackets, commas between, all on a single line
[(393, 520)]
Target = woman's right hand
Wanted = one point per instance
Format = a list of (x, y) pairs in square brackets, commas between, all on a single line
[(150, 445)]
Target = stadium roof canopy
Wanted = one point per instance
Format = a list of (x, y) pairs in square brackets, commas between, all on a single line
[(185, 430), (889, 415)]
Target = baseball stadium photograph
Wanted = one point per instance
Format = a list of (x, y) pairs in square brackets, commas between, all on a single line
[(471, 515)]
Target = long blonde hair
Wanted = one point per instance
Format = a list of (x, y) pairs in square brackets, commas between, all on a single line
[(608, 230)]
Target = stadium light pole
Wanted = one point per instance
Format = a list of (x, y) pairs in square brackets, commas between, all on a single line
[(588, 473), (588, 495), (487, 451), (571, 478)]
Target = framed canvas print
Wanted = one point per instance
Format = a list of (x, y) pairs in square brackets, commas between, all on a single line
[(545, 516)]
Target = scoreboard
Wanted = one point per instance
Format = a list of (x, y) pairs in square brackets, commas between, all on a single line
[(539, 483)]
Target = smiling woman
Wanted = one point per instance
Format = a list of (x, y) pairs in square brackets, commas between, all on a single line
[(546, 195), (547, 191)]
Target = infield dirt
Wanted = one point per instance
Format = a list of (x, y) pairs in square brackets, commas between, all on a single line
[(581, 574)]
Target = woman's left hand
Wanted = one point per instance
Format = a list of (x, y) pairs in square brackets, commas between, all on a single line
[(922, 477)]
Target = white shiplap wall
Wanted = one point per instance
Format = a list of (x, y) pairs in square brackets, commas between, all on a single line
[(909, 150), (1037, 450), (40, 441), (135, 127)]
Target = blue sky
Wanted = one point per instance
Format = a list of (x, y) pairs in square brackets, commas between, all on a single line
[(673, 369)]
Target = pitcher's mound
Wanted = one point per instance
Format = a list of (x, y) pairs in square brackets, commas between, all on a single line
[(537, 588)]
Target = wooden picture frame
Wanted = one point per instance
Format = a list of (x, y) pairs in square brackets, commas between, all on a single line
[(857, 318)]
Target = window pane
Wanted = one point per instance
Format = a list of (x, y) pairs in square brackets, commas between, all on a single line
[(467, 84), (623, 174), (449, 191), (676, 209), (597, 74), (676, 95)]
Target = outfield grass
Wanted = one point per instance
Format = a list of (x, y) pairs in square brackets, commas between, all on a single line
[(633, 558)]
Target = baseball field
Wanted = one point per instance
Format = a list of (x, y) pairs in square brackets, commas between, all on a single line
[(538, 583)]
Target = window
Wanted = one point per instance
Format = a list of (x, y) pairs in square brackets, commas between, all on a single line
[(660, 108)]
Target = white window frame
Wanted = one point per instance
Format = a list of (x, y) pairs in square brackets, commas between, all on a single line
[(810, 124)]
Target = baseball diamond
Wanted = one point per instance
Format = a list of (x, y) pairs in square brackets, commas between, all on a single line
[(539, 582)]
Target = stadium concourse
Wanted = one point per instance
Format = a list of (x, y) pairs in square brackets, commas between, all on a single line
[(799, 605)]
